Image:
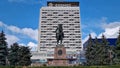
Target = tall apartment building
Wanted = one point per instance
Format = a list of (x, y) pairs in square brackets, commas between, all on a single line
[(66, 13)]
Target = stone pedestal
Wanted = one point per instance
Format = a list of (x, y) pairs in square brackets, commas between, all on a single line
[(60, 52), (59, 56)]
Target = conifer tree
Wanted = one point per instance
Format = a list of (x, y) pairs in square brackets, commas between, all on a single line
[(96, 52), (24, 56), (118, 47), (104, 54), (89, 51), (112, 55), (13, 54), (3, 49)]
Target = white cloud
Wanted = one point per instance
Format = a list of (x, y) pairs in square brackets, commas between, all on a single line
[(1, 24), (93, 34), (111, 25), (33, 34), (110, 30), (26, 31), (14, 29), (11, 39), (30, 32), (31, 45)]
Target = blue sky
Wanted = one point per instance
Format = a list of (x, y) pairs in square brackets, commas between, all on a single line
[(20, 18)]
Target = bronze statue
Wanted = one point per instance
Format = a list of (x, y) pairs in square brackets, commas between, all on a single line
[(59, 33)]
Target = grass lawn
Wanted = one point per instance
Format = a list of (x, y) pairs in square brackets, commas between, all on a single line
[(113, 66)]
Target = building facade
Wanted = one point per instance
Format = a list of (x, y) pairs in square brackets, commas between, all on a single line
[(66, 13)]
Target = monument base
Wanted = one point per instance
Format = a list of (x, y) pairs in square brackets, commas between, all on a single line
[(59, 56)]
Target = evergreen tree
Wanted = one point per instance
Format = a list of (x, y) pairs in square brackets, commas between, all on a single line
[(96, 52), (99, 52), (24, 56), (89, 54), (118, 47), (104, 52), (3, 49), (13, 54), (112, 55)]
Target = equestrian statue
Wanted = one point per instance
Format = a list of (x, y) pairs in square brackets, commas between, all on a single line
[(59, 34)]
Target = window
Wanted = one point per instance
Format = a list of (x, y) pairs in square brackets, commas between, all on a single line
[(43, 31), (71, 24), (65, 17), (49, 19), (77, 31), (49, 29), (76, 22), (72, 39), (66, 31), (71, 19), (53, 41), (49, 24), (65, 12), (55, 12), (77, 26), (71, 15), (49, 14), (66, 26), (66, 42), (55, 17), (44, 12), (42, 41), (72, 34), (72, 44), (76, 13), (77, 36), (60, 19), (54, 26), (44, 17), (78, 47), (49, 34), (60, 15), (65, 22), (43, 26), (43, 21), (76, 17), (71, 29), (78, 42)]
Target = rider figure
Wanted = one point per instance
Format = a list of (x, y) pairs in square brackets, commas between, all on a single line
[(59, 33)]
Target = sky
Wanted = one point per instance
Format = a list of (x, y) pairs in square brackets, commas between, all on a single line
[(19, 19)]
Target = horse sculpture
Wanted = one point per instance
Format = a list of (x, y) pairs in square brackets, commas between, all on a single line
[(59, 33)]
